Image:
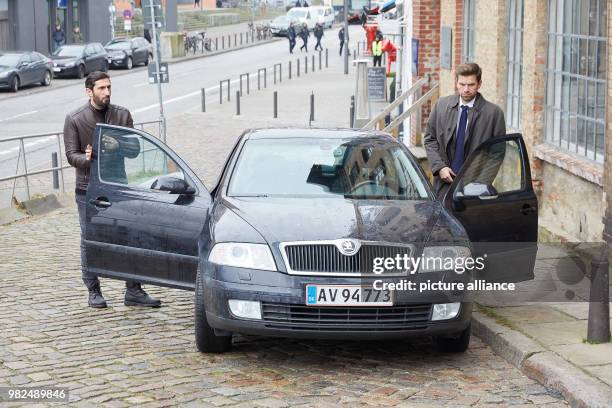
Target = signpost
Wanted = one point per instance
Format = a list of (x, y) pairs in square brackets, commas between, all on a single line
[(111, 11), (127, 20), (158, 73)]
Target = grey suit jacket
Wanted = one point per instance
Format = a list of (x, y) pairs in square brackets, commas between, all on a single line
[(485, 120)]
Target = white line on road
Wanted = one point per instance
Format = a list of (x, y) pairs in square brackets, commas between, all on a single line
[(18, 116), (27, 145)]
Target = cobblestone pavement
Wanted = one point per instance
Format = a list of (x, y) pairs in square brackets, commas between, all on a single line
[(124, 356)]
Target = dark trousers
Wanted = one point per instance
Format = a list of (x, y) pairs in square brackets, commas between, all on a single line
[(341, 46), (304, 45), (318, 45), (377, 60), (291, 45), (90, 279)]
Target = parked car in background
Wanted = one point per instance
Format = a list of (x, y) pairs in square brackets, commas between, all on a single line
[(78, 60), (127, 52), (24, 68), (302, 15), (286, 243), (324, 15), (280, 25)]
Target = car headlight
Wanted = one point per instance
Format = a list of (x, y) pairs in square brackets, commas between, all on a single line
[(243, 255), (70, 64), (4, 74), (445, 258)]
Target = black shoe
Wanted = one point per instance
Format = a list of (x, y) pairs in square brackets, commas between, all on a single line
[(96, 300), (135, 296)]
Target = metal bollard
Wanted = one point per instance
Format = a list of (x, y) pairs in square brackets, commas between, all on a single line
[(313, 63), (320, 55), (305, 64), (216, 43), (223, 42), (55, 172), (237, 103), (598, 329), (240, 38), (352, 112), (275, 104), (289, 69), (203, 99), (326, 57), (298, 67), (312, 107), (235, 39)]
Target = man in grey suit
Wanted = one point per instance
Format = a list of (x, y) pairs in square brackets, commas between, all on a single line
[(458, 124)]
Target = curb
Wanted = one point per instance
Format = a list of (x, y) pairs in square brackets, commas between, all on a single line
[(120, 72), (36, 206), (578, 388)]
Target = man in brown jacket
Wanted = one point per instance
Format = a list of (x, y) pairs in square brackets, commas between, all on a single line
[(79, 128), (458, 124)]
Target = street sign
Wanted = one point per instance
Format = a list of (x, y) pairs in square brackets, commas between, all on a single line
[(127, 25), (127, 14), (163, 73), (377, 83)]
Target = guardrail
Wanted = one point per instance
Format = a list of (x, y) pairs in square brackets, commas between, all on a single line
[(60, 167), (379, 121)]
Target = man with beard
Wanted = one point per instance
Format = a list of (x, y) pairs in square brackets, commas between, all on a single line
[(79, 128), (458, 124)]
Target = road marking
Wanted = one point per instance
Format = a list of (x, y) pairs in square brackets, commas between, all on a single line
[(18, 116), (27, 146), (180, 98)]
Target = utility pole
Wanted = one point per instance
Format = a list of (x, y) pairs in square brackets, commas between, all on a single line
[(346, 46), (157, 68), (111, 11)]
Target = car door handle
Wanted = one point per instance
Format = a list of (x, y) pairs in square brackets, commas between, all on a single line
[(101, 202), (528, 209)]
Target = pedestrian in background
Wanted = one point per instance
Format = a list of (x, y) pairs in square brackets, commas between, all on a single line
[(377, 50), (59, 38), (291, 36), (79, 128), (304, 34), (76, 34), (341, 38), (318, 33), (458, 124), (196, 4)]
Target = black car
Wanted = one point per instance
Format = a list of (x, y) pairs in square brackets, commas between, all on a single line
[(78, 60), (24, 68), (287, 242), (127, 52)]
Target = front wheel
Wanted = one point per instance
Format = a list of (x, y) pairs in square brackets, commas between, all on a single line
[(148, 60), (15, 84), (129, 64), (456, 344), (206, 339), (80, 72), (46, 79)]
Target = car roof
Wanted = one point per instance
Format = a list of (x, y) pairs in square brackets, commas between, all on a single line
[(300, 133), (15, 52)]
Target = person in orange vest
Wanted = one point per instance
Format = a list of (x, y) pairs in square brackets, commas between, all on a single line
[(377, 50)]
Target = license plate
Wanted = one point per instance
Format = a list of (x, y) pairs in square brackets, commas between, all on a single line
[(346, 295), (57, 69)]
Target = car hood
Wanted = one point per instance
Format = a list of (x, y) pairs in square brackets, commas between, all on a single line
[(298, 219), (4, 69)]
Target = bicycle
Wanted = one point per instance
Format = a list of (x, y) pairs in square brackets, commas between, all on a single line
[(191, 42), (207, 43)]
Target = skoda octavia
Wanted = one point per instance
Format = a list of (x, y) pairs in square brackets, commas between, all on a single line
[(289, 241)]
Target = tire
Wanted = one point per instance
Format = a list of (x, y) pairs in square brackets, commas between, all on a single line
[(105, 67), (46, 79), (456, 344), (81, 71), (148, 60), (206, 340), (15, 84), (129, 64)]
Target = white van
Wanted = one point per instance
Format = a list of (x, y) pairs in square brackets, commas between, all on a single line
[(323, 15), (302, 15)]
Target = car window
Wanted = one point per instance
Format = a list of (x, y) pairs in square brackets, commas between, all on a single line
[(89, 50), (25, 59), (35, 57), (353, 168), (130, 159), (99, 48)]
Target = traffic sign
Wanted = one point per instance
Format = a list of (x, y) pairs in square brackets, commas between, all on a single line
[(163, 73)]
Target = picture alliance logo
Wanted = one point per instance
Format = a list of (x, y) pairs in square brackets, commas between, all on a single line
[(401, 263)]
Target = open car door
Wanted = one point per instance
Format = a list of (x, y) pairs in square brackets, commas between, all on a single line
[(493, 197), (146, 210)]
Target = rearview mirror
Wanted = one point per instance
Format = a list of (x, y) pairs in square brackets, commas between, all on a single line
[(173, 185)]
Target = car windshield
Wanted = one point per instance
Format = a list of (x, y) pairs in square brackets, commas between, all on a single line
[(372, 168), (69, 51), (119, 45), (9, 60), (296, 13)]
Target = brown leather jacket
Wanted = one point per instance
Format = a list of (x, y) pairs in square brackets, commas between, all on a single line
[(79, 128)]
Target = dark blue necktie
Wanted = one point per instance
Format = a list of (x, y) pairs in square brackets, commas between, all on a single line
[(458, 158)]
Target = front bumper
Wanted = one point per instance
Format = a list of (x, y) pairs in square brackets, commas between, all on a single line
[(118, 63), (285, 314), (66, 71)]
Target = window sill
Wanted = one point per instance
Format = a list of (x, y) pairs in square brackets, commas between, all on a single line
[(576, 165)]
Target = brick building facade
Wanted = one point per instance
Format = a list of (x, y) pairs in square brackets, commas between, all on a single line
[(546, 63)]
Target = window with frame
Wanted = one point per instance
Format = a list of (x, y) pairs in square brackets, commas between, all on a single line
[(469, 13), (576, 77), (514, 63)]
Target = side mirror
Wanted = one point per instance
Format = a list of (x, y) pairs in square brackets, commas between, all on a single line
[(173, 185), (477, 190), (24, 64)]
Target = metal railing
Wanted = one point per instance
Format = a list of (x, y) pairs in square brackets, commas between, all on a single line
[(378, 122), (59, 136)]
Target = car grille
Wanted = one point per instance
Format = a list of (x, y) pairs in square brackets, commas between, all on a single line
[(301, 317), (326, 259)]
